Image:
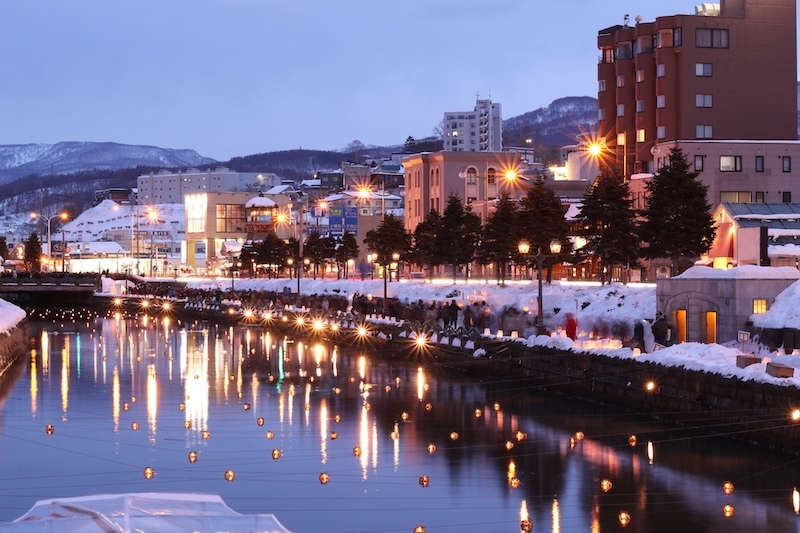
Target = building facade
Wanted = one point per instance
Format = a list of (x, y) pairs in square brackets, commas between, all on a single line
[(166, 187), (729, 71), (479, 130)]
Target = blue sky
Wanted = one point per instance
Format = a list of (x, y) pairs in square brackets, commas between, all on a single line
[(238, 77)]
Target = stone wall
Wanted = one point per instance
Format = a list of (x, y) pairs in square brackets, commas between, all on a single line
[(750, 411)]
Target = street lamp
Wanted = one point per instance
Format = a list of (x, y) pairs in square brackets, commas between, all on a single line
[(555, 249), (64, 216), (524, 247)]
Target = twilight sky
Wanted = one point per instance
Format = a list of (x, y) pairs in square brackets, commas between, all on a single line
[(238, 77)]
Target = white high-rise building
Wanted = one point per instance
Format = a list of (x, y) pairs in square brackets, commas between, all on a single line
[(479, 130)]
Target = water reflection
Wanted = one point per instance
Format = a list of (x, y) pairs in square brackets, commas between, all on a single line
[(411, 445)]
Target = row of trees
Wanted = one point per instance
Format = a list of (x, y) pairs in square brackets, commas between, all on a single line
[(319, 250), (676, 223)]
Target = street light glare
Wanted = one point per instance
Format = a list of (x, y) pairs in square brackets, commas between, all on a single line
[(595, 149), (511, 175)]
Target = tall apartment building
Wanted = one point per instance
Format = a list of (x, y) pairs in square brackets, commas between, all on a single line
[(479, 130), (729, 71)]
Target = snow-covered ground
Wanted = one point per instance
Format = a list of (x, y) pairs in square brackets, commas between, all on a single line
[(609, 308)]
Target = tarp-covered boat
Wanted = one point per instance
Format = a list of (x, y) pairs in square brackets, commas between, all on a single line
[(140, 513)]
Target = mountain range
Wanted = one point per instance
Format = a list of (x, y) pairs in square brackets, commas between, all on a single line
[(553, 125), (18, 160)]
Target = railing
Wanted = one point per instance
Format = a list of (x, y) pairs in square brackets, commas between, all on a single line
[(47, 281)]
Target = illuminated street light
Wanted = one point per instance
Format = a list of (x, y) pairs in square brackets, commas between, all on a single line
[(555, 249)]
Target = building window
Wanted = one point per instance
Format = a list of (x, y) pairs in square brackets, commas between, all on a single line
[(640, 135), (703, 70), (760, 197), (759, 163), (698, 163), (620, 110), (661, 132), (704, 131), (601, 86), (607, 55), (601, 114), (786, 197), (703, 100), (661, 101), (661, 70), (711, 38), (230, 218), (644, 44), (730, 163), (760, 306), (639, 76), (665, 38), (621, 80), (624, 50), (640, 106), (786, 163), (735, 197)]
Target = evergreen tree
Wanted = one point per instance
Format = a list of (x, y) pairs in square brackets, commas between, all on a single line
[(541, 221), (607, 222), (389, 238), (423, 252), (459, 235), (272, 251), (677, 221), (346, 249), (33, 254), (501, 236), (5, 253)]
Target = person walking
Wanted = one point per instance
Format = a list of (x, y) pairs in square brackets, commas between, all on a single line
[(660, 329)]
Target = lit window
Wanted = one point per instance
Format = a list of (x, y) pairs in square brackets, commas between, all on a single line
[(640, 136), (730, 163), (760, 306)]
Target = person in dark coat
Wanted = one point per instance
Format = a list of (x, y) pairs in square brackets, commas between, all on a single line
[(660, 329)]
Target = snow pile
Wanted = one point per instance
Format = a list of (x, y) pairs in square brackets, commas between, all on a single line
[(10, 316), (784, 311)]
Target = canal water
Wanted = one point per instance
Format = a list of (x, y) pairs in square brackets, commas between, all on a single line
[(331, 438)]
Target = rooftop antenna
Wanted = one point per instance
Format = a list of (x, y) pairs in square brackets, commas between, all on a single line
[(626, 18)]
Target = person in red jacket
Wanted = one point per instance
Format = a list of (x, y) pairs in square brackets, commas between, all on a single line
[(572, 326)]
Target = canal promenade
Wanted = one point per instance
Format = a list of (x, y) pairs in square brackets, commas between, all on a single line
[(696, 386)]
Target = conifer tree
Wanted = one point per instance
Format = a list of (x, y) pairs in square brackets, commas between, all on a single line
[(501, 235), (677, 221), (459, 235), (541, 220), (423, 252), (33, 253), (606, 221)]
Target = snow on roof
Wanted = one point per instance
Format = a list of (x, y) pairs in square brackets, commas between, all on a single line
[(281, 189), (259, 201), (783, 250), (742, 272), (573, 211), (641, 176)]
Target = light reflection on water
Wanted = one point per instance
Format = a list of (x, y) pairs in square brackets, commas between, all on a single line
[(516, 456)]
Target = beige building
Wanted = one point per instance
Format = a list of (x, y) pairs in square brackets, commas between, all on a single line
[(735, 171), (166, 187), (477, 178)]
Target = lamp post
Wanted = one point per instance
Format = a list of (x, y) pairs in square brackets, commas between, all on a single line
[(64, 217), (555, 249), (524, 247)]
